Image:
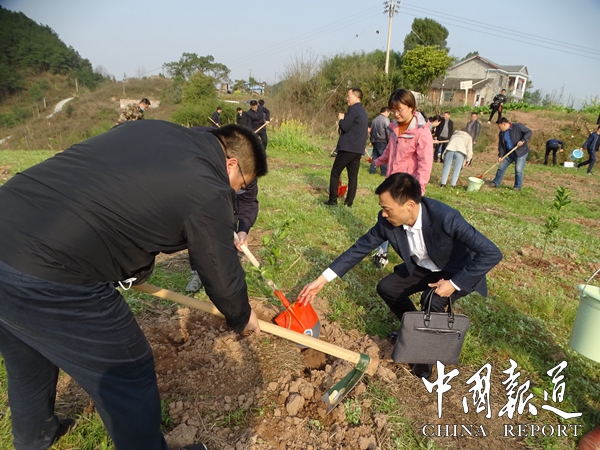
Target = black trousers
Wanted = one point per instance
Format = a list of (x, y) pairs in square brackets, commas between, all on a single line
[(554, 150), (494, 111), (263, 137), (396, 289), (351, 162), (91, 334)]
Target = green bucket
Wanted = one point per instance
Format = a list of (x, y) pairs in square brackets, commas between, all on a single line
[(474, 184), (585, 337)]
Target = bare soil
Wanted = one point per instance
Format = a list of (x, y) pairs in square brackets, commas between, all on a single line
[(263, 393)]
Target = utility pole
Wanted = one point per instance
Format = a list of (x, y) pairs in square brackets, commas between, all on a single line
[(391, 8)]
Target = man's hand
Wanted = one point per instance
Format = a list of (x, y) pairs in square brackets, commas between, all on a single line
[(443, 288), (340, 116), (520, 143), (500, 159), (308, 292), (242, 238), (252, 326)]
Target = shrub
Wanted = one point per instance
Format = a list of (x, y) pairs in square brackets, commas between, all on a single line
[(293, 137), (191, 115)]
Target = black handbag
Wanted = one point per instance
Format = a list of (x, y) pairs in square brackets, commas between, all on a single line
[(426, 337)]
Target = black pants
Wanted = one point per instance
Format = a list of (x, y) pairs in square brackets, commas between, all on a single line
[(263, 137), (396, 288), (350, 162), (90, 333), (494, 111), (591, 161), (551, 148)]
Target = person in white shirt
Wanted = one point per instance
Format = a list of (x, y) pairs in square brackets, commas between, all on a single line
[(440, 249)]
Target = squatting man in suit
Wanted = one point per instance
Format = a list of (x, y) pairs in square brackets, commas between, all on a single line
[(440, 249)]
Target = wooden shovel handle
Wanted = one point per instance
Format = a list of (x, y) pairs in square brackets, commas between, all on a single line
[(306, 341), (261, 127), (271, 284), (503, 158), (250, 256)]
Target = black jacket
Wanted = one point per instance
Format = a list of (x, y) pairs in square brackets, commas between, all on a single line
[(104, 208), (216, 119), (452, 243), (254, 119), (354, 129), (517, 133), (498, 100), (265, 112), (241, 119), (440, 127), (247, 206)]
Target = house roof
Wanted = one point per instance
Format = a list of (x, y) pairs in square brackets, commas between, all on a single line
[(507, 68)]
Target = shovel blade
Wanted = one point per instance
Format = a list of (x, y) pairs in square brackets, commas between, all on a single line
[(337, 393), (302, 319)]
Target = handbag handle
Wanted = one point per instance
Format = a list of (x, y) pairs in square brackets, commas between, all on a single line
[(428, 312)]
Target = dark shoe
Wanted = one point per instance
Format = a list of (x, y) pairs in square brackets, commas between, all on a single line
[(422, 370), (393, 337), (198, 446), (331, 202), (64, 425), (194, 283), (442, 185), (349, 205)]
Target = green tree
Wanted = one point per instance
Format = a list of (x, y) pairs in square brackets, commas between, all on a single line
[(422, 65), (190, 63), (240, 85), (426, 32), (199, 88)]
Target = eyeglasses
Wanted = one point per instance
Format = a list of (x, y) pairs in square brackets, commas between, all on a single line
[(245, 185), (399, 110)]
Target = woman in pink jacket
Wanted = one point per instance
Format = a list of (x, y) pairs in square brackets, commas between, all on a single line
[(410, 144), (409, 148)]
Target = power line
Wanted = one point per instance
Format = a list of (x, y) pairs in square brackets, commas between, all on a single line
[(487, 26), (529, 38), (307, 37)]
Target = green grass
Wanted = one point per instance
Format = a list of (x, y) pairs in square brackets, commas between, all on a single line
[(528, 315)]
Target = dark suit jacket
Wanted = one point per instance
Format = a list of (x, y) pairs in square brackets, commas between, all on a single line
[(518, 132), (353, 129), (440, 127), (453, 244)]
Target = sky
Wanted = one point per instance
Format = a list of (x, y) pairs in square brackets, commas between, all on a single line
[(558, 41)]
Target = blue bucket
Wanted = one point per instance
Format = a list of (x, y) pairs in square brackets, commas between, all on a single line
[(576, 154)]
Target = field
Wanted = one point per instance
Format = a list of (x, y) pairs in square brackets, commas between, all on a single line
[(262, 392)]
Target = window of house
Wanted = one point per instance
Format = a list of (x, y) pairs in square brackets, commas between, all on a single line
[(448, 96)]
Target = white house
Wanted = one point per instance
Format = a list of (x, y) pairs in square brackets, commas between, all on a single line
[(477, 79)]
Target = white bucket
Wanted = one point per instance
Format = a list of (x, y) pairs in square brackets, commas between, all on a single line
[(569, 164)]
